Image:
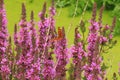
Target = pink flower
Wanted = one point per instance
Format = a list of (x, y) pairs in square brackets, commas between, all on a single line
[(4, 63), (94, 26), (4, 60), (107, 27), (103, 39), (110, 36), (5, 69)]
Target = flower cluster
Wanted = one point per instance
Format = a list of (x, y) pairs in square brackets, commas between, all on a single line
[(4, 62), (44, 54), (78, 55), (62, 57)]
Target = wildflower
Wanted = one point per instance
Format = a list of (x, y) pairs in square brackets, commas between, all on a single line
[(62, 57), (4, 62), (78, 54)]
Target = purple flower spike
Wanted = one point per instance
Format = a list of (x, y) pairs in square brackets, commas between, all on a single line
[(62, 57), (4, 62), (25, 58), (78, 55), (48, 70)]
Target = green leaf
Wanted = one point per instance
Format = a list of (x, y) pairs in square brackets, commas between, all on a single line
[(104, 67)]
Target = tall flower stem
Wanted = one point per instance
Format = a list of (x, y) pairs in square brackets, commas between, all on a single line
[(62, 57), (4, 62), (78, 55), (25, 57), (48, 70)]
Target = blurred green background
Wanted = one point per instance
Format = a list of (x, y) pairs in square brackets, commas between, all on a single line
[(65, 11)]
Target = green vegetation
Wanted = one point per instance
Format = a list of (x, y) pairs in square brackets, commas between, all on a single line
[(13, 9)]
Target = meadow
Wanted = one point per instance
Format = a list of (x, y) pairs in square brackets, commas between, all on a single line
[(13, 11)]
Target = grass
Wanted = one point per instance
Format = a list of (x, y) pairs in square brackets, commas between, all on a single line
[(13, 9)]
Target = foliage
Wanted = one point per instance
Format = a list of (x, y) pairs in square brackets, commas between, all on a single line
[(72, 4), (31, 1), (109, 5), (62, 3), (116, 12)]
